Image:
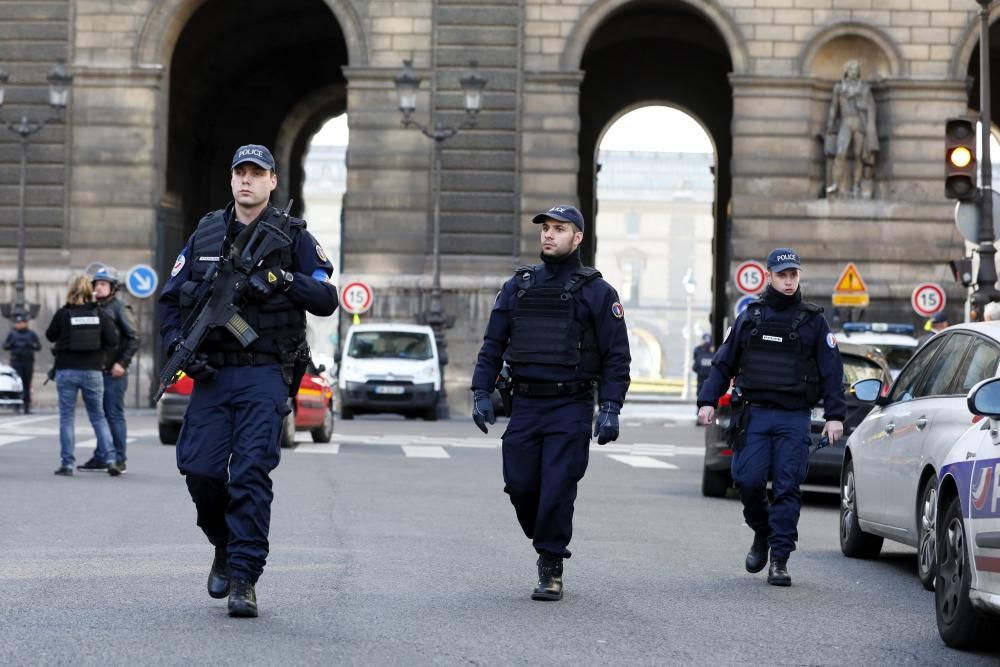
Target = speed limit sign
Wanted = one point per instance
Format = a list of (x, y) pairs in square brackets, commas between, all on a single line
[(356, 297), (750, 277), (927, 299)]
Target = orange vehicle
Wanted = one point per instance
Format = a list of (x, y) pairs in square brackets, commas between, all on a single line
[(312, 409)]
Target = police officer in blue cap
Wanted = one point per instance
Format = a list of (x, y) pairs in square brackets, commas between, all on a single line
[(561, 328), (230, 439), (784, 359)]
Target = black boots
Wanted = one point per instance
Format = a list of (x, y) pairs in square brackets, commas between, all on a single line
[(218, 577), (549, 586), (757, 556), (778, 574), (243, 599)]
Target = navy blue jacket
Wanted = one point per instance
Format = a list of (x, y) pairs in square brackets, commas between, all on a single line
[(816, 339), (311, 289), (22, 345), (596, 301)]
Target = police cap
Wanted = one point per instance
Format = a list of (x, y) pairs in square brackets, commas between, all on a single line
[(20, 317), (255, 153), (781, 259), (562, 213)]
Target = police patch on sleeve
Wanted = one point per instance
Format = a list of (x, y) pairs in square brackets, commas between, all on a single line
[(617, 310), (178, 264), (322, 255), (831, 341)]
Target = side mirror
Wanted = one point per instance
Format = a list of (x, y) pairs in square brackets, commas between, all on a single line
[(984, 398), (336, 356), (868, 390), (443, 357), (320, 369)]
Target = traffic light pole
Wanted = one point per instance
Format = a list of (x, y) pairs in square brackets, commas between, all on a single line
[(987, 276)]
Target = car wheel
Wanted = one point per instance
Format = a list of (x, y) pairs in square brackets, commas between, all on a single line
[(288, 430), (169, 433), (959, 624), (854, 542), (927, 534), (714, 483), (324, 433), (430, 415), (346, 413)]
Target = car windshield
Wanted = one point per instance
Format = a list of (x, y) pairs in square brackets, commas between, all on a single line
[(390, 345), (897, 357), (859, 368)]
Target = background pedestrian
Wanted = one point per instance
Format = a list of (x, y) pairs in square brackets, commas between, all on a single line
[(22, 343)]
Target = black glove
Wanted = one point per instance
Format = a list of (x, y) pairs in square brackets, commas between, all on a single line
[(606, 426), (199, 370), (262, 283), (482, 409)]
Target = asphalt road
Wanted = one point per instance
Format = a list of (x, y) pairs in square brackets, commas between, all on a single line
[(395, 545)]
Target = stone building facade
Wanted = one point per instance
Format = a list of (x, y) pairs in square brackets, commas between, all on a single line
[(164, 90)]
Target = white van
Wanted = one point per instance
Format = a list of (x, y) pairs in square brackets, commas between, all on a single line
[(389, 367)]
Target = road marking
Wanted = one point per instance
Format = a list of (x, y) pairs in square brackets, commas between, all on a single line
[(11, 439), (333, 448), (91, 443), (417, 452), (14, 423), (642, 461)]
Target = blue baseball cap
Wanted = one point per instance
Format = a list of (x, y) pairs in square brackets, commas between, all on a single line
[(782, 258), (255, 153), (562, 213)]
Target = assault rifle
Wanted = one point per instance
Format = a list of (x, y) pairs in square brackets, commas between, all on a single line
[(226, 282)]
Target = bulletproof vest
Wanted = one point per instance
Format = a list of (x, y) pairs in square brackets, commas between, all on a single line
[(544, 326), (773, 359), (276, 318), (84, 330)]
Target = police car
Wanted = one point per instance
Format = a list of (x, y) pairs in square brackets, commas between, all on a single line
[(11, 388), (967, 590), (896, 341)]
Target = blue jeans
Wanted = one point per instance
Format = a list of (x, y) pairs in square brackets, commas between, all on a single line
[(114, 410), (90, 384)]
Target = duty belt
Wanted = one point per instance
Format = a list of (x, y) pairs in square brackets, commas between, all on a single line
[(219, 359), (552, 388)]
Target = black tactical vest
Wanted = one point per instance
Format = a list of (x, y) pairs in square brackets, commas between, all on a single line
[(277, 318), (84, 330), (773, 359), (544, 326)]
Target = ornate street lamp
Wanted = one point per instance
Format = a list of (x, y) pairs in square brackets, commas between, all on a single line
[(987, 277), (60, 80), (407, 84)]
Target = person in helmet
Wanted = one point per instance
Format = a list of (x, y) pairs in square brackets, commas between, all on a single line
[(116, 362)]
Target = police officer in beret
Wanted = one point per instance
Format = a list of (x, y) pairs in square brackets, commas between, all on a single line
[(784, 359), (230, 438), (561, 328)]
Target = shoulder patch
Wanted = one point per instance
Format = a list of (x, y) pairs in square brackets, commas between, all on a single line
[(178, 264), (322, 255), (831, 341), (617, 310)]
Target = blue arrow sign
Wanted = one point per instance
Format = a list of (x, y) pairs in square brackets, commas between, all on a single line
[(744, 301), (141, 281)]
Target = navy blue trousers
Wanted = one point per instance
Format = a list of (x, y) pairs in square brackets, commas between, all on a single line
[(546, 448), (775, 447), (228, 445)]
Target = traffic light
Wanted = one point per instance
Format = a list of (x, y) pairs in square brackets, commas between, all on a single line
[(961, 269), (960, 158)]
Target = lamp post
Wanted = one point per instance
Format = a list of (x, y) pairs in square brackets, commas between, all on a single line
[(987, 275), (689, 287), (407, 84), (59, 83)]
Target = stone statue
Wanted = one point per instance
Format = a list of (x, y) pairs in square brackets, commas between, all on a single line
[(851, 135)]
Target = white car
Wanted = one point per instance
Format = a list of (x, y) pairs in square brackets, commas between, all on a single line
[(895, 341), (967, 591), (11, 388), (893, 459)]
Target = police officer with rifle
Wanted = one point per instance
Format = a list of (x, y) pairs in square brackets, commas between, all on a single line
[(233, 317), (561, 328), (784, 359)]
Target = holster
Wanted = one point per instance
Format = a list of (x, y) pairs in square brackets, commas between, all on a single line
[(733, 435), (294, 364), (505, 386)]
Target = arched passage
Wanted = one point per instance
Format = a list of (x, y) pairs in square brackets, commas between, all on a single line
[(270, 74), (669, 52)]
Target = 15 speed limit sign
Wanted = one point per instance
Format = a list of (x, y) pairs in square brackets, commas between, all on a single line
[(750, 277), (356, 297), (927, 299)]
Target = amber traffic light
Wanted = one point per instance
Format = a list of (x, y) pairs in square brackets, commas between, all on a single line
[(960, 159)]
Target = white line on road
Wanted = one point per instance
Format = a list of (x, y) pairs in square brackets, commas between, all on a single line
[(333, 448), (11, 439), (14, 423), (416, 452), (642, 461)]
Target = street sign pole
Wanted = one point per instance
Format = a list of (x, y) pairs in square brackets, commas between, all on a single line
[(987, 276)]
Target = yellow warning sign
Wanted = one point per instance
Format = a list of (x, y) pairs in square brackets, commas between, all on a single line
[(857, 300), (850, 280)]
